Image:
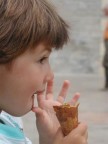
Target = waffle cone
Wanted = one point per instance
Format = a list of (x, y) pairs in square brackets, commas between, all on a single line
[(67, 116)]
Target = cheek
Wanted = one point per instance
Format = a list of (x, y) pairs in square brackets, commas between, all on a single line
[(34, 81), (31, 78)]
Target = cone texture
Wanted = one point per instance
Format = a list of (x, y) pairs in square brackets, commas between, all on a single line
[(67, 116)]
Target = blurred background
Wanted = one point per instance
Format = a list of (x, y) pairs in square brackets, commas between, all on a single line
[(80, 61), (82, 54)]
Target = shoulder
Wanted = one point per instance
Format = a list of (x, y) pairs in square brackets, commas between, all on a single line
[(11, 120), (11, 130)]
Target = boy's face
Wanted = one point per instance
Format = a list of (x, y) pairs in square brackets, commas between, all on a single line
[(29, 74)]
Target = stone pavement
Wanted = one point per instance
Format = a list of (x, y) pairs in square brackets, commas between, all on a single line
[(93, 107)]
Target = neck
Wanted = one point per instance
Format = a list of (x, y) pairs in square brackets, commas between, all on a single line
[(0, 111)]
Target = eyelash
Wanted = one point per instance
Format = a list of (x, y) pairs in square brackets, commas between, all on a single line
[(42, 60)]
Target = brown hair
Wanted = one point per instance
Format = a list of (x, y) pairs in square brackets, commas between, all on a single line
[(26, 23)]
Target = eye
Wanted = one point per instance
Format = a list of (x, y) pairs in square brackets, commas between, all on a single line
[(42, 60)]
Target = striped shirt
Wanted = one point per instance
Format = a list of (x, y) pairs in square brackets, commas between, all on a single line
[(11, 130)]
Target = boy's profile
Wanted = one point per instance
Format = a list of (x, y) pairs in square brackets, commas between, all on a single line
[(29, 30)]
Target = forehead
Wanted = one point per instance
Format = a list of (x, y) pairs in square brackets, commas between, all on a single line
[(37, 51), (40, 48)]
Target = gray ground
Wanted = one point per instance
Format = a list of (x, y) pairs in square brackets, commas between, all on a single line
[(93, 107)]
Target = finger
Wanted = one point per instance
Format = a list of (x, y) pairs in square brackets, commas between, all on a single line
[(85, 138), (49, 90), (38, 111), (40, 97), (74, 99), (63, 92), (81, 129)]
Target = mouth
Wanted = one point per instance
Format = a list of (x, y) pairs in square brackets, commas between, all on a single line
[(39, 92), (34, 95)]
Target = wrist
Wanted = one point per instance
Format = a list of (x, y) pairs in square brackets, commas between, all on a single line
[(42, 141), (45, 141)]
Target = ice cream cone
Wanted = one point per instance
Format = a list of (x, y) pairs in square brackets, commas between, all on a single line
[(67, 116)]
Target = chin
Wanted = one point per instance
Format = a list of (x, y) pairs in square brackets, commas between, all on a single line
[(17, 113)]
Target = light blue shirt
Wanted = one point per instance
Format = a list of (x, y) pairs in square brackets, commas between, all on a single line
[(11, 130)]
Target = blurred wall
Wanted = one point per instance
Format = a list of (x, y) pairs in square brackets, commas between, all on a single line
[(82, 54)]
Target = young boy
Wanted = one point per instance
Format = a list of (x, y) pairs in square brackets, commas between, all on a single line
[(29, 29)]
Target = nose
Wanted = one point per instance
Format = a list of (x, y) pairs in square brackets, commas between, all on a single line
[(50, 75)]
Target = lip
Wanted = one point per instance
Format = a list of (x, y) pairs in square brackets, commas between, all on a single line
[(39, 92)]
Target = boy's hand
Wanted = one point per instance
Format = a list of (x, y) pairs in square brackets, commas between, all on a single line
[(47, 123), (77, 136)]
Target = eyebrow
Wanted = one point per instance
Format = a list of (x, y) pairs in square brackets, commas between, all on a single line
[(49, 49), (46, 51)]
